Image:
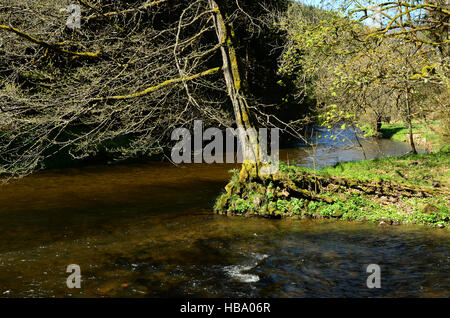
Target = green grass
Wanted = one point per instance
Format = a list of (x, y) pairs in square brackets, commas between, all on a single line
[(425, 170), (400, 132), (397, 132), (422, 169), (358, 207), (427, 136)]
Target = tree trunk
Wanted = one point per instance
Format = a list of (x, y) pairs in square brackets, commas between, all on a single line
[(234, 82), (379, 124), (409, 120)]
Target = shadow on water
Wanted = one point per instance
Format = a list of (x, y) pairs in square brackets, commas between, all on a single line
[(146, 230)]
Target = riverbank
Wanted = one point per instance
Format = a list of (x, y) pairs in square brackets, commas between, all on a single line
[(391, 191), (430, 137)]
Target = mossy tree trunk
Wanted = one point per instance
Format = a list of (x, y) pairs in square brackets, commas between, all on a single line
[(236, 83)]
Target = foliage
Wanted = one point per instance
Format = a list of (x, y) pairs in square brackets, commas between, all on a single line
[(371, 63), (132, 73), (279, 199)]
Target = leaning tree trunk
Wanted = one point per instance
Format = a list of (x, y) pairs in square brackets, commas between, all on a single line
[(247, 134)]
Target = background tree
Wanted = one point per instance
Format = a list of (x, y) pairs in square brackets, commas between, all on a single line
[(133, 72), (364, 64)]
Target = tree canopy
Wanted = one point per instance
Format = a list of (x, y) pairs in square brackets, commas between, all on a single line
[(133, 72), (370, 58)]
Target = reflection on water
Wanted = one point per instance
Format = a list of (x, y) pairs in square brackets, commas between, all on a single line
[(148, 230), (337, 145)]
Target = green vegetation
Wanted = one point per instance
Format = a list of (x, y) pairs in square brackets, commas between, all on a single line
[(75, 95), (407, 190), (81, 94), (421, 169), (428, 136), (372, 73)]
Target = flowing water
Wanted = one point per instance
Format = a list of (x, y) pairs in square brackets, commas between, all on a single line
[(147, 230)]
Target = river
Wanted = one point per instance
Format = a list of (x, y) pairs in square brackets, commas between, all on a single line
[(147, 230)]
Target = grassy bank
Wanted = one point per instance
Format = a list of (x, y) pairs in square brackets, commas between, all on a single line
[(391, 191), (430, 137)]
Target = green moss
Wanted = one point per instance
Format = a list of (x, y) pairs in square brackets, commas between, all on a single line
[(282, 205), (277, 196)]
